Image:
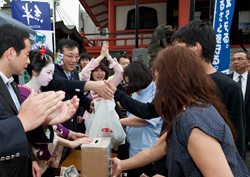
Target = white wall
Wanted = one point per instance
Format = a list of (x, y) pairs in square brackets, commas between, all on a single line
[(90, 27)]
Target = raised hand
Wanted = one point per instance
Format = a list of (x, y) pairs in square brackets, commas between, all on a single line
[(105, 49), (104, 52), (110, 59), (63, 113)]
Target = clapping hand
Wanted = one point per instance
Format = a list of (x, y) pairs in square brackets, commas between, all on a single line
[(63, 113), (38, 107), (105, 49)]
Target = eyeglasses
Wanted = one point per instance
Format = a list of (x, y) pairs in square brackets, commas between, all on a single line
[(71, 56), (239, 59)]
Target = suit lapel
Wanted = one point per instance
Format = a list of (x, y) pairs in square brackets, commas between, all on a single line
[(231, 75), (61, 71), (6, 95), (16, 89)]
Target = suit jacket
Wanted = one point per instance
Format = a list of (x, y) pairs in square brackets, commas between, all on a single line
[(16, 140), (246, 106), (70, 87), (14, 145)]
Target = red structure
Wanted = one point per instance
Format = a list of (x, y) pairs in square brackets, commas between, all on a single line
[(104, 14)]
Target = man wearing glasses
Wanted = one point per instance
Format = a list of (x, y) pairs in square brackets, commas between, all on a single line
[(66, 78), (240, 62)]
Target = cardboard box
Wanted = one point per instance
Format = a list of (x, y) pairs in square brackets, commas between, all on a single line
[(94, 158)]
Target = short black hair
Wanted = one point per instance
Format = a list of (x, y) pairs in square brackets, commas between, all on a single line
[(246, 52), (38, 61), (102, 67), (122, 56), (139, 76), (67, 43), (82, 56), (12, 36), (85, 55), (201, 32)]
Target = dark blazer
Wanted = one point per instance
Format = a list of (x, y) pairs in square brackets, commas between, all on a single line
[(13, 138), (14, 145), (246, 106), (70, 87), (18, 149)]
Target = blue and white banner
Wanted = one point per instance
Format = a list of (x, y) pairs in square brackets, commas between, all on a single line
[(223, 15), (34, 14)]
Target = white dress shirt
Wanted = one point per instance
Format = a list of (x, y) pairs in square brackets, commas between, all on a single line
[(11, 90), (243, 81)]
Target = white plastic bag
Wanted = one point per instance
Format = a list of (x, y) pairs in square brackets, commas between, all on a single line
[(105, 122)]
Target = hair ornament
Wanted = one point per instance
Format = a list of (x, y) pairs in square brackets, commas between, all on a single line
[(42, 51), (37, 46), (45, 57), (59, 59)]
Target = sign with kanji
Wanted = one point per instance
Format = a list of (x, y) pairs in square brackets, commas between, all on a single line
[(224, 10), (34, 14)]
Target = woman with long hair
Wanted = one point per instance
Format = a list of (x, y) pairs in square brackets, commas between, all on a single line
[(199, 138)]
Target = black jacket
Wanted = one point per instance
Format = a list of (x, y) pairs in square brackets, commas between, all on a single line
[(14, 141), (70, 87)]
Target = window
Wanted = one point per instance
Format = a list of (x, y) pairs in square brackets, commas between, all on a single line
[(147, 18)]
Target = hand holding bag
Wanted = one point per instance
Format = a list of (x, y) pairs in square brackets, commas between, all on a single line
[(105, 122)]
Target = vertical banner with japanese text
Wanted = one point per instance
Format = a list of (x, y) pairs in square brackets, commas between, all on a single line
[(223, 15), (34, 14)]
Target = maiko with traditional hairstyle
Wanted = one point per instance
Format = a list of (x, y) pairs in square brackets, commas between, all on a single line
[(41, 70), (199, 138)]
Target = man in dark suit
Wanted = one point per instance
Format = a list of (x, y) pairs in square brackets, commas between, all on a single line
[(15, 119), (240, 62), (66, 78)]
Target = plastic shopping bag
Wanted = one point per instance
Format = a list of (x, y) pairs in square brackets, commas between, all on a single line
[(105, 122)]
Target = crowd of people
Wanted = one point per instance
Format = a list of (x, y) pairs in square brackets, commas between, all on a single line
[(183, 118)]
